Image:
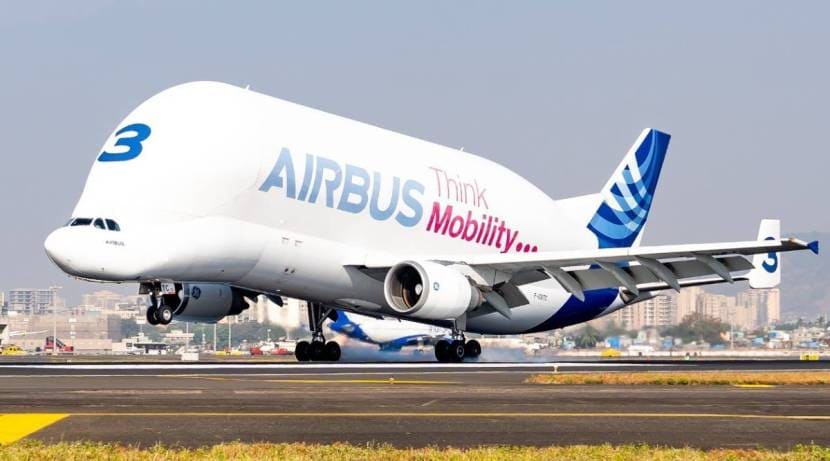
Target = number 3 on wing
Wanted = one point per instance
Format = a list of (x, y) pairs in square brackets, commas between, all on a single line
[(139, 132)]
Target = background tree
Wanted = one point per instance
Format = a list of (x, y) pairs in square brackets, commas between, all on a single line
[(588, 338), (698, 327)]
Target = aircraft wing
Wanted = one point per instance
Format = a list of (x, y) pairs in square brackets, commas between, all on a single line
[(645, 268)]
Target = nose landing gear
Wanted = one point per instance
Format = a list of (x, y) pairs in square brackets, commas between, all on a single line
[(159, 312), (318, 349)]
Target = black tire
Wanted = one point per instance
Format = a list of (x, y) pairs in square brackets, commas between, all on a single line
[(456, 351), (151, 316), (441, 348), (317, 351), (332, 352), (472, 349), (301, 351), (164, 314)]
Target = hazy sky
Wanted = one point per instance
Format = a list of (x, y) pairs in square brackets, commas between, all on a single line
[(555, 91)]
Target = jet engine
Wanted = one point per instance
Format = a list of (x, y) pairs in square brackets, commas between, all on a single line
[(429, 290), (209, 302)]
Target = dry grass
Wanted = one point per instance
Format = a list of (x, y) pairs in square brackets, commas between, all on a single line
[(297, 451), (682, 378)]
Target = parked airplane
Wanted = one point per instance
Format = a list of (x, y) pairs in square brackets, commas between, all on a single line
[(394, 334), (208, 194)]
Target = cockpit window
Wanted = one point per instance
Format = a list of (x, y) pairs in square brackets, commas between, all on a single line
[(81, 222), (113, 226), (99, 223)]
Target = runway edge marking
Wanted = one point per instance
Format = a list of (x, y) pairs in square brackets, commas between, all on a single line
[(15, 426)]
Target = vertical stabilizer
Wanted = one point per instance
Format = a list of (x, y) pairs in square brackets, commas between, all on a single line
[(627, 196), (767, 271)]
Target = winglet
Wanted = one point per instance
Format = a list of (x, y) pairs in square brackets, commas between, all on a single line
[(813, 246)]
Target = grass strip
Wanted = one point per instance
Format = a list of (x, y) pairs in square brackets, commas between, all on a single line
[(682, 378), (32, 450)]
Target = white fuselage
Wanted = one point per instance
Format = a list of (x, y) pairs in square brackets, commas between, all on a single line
[(233, 186)]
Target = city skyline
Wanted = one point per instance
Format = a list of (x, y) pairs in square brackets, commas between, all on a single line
[(664, 309)]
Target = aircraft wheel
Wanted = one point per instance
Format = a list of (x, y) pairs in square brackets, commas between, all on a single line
[(472, 349), (301, 351), (441, 350), (152, 319), (456, 351), (317, 351), (164, 314), (332, 351)]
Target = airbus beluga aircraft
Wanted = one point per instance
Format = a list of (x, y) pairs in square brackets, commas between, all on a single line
[(209, 195)]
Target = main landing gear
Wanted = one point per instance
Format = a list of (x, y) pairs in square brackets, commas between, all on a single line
[(457, 349), (159, 312), (318, 349)]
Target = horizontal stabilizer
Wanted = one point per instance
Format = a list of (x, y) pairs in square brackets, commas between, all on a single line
[(766, 272)]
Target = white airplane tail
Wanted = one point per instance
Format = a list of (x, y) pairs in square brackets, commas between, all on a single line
[(767, 271)]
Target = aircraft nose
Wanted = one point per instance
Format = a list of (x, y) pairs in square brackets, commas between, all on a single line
[(57, 248)]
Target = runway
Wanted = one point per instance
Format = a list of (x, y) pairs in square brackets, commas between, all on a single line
[(405, 405)]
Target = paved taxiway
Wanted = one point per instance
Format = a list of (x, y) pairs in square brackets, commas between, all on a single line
[(406, 405)]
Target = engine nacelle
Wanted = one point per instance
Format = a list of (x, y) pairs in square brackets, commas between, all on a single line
[(209, 302), (428, 290)]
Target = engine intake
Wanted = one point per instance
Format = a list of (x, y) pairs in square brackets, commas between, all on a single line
[(428, 290)]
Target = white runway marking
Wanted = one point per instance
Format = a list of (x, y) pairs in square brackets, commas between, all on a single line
[(319, 366)]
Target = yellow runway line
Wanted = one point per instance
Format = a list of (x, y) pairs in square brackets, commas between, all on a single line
[(14, 427), (464, 415), (754, 386)]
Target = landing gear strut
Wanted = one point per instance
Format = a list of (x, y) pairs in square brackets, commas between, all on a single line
[(457, 349), (318, 349), (158, 312)]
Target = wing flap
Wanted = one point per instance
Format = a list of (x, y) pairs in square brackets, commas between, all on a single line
[(596, 278)]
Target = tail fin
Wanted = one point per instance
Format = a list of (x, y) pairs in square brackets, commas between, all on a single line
[(627, 196), (767, 271)]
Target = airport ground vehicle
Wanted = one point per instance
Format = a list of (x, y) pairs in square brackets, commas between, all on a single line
[(11, 349), (62, 348)]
